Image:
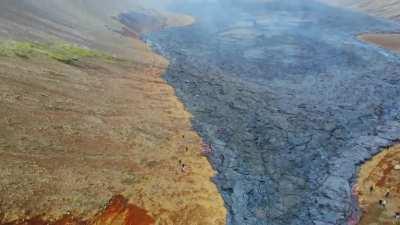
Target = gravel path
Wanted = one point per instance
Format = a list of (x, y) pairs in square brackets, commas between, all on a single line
[(290, 100)]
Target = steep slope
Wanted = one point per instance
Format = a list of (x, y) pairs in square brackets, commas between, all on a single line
[(90, 23), (383, 8), (389, 9), (94, 136)]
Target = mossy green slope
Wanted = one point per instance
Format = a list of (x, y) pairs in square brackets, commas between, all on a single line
[(63, 52)]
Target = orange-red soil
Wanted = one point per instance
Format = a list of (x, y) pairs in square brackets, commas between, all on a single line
[(118, 211)]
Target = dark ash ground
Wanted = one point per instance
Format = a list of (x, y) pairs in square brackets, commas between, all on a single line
[(291, 101)]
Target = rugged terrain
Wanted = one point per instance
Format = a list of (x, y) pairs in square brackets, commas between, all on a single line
[(379, 180), (291, 101), (389, 9), (89, 23), (288, 102), (90, 133), (382, 8)]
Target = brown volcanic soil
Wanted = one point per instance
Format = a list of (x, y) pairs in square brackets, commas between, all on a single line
[(389, 41), (382, 8), (73, 137), (90, 23), (381, 174)]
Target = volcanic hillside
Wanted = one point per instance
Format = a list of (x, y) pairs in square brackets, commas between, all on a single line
[(383, 8), (90, 132), (89, 22)]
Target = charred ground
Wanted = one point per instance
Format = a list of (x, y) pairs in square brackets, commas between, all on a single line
[(290, 99)]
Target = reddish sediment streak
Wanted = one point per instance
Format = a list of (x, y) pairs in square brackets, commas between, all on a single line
[(117, 212)]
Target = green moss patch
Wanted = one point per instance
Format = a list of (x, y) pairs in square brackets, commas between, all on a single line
[(63, 52)]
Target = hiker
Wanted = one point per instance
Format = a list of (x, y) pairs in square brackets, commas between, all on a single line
[(382, 203), (397, 216), (206, 149), (387, 194), (371, 189), (183, 168)]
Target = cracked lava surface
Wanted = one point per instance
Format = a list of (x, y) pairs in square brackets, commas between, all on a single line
[(291, 100)]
